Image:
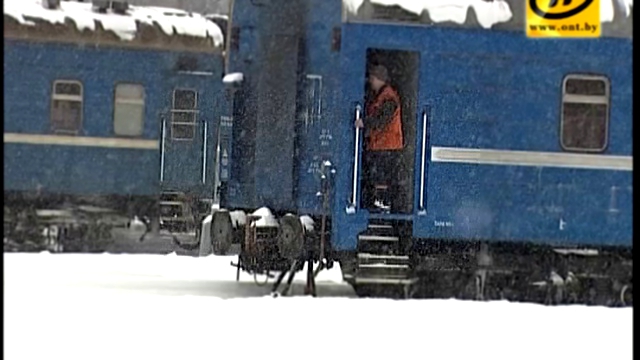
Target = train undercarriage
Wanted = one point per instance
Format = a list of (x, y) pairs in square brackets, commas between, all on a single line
[(390, 264), (62, 223), (270, 247)]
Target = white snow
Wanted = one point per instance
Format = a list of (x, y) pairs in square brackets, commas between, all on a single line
[(217, 16), (238, 218), (173, 307), (307, 222), (266, 218), (606, 9), (124, 26), (583, 252), (137, 225), (626, 5), (205, 236), (233, 78), (488, 13)]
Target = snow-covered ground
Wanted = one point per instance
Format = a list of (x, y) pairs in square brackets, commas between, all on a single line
[(180, 307)]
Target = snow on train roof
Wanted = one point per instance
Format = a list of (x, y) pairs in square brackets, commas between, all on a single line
[(124, 26), (217, 16), (489, 13)]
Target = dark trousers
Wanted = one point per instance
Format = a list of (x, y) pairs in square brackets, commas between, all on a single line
[(380, 168)]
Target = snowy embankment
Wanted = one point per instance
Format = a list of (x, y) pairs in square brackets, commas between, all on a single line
[(174, 307)]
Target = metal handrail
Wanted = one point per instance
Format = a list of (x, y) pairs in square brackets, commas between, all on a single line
[(162, 140), (423, 158), (356, 163), (204, 154)]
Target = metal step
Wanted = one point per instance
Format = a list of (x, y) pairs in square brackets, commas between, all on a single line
[(171, 193), (382, 271), (171, 203), (383, 266), (383, 257), (378, 262), (379, 230), (171, 197), (381, 281), (378, 238), (380, 227), (175, 219)]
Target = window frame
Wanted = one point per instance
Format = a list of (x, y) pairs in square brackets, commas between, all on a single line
[(174, 111), (586, 99), (129, 101), (65, 97)]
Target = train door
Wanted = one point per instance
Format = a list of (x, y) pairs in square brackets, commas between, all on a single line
[(403, 70), (186, 133)]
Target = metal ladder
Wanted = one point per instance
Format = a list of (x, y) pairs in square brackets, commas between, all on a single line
[(175, 212), (380, 260)]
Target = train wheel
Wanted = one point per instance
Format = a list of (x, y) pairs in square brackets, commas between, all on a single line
[(626, 295), (221, 232), (291, 237)]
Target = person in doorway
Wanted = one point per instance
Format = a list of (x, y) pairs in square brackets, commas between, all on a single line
[(382, 125)]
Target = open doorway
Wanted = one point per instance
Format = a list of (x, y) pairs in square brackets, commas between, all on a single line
[(403, 71)]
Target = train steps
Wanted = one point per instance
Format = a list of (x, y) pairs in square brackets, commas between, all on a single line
[(175, 212), (380, 261)]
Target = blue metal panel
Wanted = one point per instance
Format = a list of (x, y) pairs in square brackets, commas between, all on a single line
[(545, 205), (189, 165), (80, 171), (316, 138), (499, 90), (348, 223), (242, 177), (317, 135), (30, 68), (482, 89), (508, 203)]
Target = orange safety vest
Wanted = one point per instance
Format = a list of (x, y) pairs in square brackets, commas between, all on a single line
[(390, 136)]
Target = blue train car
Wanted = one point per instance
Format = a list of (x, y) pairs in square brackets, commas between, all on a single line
[(516, 172), (115, 108)]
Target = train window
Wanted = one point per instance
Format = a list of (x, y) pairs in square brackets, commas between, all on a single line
[(585, 113), (183, 115), (66, 107), (128, 110)]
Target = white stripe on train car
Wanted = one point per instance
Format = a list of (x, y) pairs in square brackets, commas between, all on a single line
[(531, 158), (90, 141)]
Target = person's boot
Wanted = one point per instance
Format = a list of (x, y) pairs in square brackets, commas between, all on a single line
[(381, 203)]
